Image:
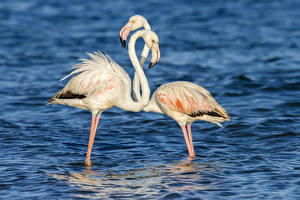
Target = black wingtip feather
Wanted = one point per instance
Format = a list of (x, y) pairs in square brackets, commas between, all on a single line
[(211, 113), (67, 95)]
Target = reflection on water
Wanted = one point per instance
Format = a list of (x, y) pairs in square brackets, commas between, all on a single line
[(145, 182), (255, 77)]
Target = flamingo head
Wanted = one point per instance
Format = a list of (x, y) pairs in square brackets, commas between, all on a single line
[(134, 22), (151, 40)]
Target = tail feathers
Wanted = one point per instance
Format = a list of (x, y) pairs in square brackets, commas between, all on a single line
[(225, 116), (222, 113), (68, 102), (55, 100), (51, 101), (215, 120)]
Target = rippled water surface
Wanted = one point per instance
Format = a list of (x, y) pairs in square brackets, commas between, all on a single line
[(247, 53)]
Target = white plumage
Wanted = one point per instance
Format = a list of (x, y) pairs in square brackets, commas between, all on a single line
[(99, 83), (186, 102), (183, 101)]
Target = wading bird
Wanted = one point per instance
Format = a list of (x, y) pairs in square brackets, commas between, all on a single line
[(135, 22), (185, 102), (100, 83)]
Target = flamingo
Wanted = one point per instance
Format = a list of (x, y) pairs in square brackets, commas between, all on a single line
[(100, 83), (185, 102), (135, 22)]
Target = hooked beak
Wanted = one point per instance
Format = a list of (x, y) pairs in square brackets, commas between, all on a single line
[(124, 33), (155, 55)]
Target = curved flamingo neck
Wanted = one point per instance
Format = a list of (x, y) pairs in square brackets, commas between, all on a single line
[(147, 26), (130, 104), (136, 81)]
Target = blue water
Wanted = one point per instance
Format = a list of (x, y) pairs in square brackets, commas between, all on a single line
[(247, 53)]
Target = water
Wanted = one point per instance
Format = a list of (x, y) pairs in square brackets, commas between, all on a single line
[(245, 52)]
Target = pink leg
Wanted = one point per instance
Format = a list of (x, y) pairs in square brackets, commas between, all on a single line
[(186, 139), (191, 139), (94, 125)]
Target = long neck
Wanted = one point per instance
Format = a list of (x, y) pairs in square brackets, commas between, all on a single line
[(136, 81), (130, 104)]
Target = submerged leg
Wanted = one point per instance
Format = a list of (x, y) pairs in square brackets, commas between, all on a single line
[(186, 139), (191, 139), (94, 124)]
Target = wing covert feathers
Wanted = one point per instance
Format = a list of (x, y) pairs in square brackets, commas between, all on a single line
[(190, 99), (91, 75)]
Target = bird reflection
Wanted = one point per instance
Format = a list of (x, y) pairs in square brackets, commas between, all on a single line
[(144, 182)]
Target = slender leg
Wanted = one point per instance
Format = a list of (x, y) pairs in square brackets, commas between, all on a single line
[(97, 122), (91, 141), (94, 125), (191, 139), (186, 139)]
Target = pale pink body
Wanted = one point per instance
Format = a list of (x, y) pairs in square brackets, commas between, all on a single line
[(185, 102), (100, 83)]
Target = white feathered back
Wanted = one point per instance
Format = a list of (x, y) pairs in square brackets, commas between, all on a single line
[(93, 74), (188, 98)]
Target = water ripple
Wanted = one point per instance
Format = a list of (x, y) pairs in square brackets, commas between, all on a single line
[(246, 53)]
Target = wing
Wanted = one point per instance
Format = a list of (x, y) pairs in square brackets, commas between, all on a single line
[(189, 99), (94, 75)]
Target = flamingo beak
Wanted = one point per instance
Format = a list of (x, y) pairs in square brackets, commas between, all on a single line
[(124, 33), (155, 55)]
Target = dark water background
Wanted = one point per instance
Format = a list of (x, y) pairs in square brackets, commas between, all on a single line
[(247, 53)]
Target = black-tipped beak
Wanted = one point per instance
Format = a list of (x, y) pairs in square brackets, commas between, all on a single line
[(124, 33), (155, 55), (123, 42), (152, 65)]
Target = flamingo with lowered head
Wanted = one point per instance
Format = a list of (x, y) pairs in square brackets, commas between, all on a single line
[(100, 83), (185, 102), (135, 22)]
